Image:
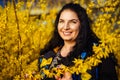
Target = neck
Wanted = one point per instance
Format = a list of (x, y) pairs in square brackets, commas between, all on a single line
[(68, 47)]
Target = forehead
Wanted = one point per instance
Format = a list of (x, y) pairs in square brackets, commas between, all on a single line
[(68, 14)]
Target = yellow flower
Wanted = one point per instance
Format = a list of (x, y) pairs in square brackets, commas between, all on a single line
[(85, 76), (45, 62)]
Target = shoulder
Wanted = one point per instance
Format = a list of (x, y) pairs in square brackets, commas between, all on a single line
[(110, 61), (49, 54), (107, 68)]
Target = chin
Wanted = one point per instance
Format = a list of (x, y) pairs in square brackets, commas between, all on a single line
[(67, 39)]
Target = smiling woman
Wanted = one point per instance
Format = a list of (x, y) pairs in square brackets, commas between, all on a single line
[(68, 29), (73, 38)]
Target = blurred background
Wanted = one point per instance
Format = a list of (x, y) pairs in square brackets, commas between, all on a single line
[(27, 25)]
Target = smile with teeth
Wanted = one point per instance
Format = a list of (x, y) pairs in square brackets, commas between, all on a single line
[(67, 33)]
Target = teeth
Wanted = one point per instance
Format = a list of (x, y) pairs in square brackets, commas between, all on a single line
[(67, 33)]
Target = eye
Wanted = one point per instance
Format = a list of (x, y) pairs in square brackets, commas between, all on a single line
[(74, 21), (61, 21)]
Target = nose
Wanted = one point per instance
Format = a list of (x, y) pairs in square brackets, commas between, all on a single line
[(66, 26)]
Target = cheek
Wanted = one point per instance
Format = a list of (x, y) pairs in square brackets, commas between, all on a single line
[(77, 30), (59, 30)]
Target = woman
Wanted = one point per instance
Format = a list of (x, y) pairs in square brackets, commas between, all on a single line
[(73, 38)]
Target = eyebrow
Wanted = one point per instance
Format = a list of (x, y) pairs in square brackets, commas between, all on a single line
[(70, 19)]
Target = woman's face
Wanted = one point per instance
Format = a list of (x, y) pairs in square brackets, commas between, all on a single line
[(68, 26)]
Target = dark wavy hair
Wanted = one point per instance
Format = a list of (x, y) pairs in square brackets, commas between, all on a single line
[(85, 38)]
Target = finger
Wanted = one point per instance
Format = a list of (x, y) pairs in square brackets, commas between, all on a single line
[(57, 78), (68, 76)]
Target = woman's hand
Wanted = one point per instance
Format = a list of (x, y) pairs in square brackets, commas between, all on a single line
[(66, 76)]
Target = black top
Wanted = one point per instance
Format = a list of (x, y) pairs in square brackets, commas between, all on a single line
[(104, 71)]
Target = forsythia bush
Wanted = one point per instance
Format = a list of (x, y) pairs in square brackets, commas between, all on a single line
[(23, 34)]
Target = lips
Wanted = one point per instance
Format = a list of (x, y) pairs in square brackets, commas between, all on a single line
[(67, 33)]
